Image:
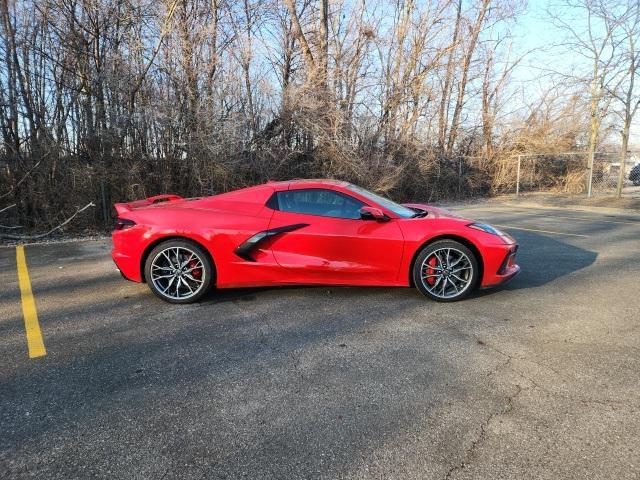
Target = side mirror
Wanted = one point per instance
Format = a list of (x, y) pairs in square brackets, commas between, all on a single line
[(372, 213)]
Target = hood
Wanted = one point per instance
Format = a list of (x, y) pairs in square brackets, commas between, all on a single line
[(434, 212)]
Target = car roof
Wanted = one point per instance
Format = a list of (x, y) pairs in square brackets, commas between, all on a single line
[(306, 183), (260, 193)]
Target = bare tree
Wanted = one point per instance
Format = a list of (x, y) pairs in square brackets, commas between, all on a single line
[(593, 35), (629, 62)]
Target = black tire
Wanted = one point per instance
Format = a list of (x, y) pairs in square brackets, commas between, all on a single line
[(469, 276), (186, 278)]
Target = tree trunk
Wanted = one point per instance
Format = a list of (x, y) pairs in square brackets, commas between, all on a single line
[(324, 44)]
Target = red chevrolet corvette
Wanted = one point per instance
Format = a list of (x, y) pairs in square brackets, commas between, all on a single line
[(308, 232)]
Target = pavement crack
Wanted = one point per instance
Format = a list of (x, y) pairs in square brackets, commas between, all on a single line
[(291, 354), (575, 398), (522, 358), (536, 385), (469, 454), (509, 358)]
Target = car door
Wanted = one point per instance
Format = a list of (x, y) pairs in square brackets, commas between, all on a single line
[(330, 242)]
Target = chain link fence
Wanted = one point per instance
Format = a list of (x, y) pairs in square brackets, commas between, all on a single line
[(568, 173)]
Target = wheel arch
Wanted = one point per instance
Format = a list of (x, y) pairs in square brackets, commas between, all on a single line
[(158, 241), (448, 236)]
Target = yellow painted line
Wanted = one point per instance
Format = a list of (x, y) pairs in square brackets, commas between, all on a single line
[(594, 220), (509, 227), (31, 325)]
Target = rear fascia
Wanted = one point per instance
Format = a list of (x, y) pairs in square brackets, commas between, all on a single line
[(128, 245)]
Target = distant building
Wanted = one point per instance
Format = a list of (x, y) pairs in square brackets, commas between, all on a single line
[(633, 159)]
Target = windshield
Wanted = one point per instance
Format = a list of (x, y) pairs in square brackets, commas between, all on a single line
[(396, 208)]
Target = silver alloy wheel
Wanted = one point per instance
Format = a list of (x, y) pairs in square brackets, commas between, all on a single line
[(178, 273), (446, 272)]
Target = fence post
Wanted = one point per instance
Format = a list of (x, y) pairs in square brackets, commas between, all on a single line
[(590, 162), (518, 176)]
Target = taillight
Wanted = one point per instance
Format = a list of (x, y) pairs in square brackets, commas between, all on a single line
[(124, 223)]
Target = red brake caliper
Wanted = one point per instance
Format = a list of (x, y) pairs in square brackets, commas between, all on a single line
[(197, 273), (430, 271)]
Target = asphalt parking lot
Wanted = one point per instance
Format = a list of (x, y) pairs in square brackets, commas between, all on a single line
[(538, 379)]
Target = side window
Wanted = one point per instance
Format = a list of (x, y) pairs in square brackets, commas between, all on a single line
[(317, 201)]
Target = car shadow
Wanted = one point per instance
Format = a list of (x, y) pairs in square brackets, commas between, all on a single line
[(544, 259)]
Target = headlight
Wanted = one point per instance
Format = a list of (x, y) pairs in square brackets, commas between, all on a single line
[(483, 227), (486, 228)]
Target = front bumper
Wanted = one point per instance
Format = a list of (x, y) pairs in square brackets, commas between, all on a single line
[(512, 272), (499, 265)]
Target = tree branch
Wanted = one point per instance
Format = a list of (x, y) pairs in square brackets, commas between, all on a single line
[(25, 176), (7, 208), (297, 31), (42, 235)]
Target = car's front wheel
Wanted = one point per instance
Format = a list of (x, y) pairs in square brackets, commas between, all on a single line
[(179, 271), (446, 271)]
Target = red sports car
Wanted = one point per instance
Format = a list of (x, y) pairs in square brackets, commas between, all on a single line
[(305, 232)]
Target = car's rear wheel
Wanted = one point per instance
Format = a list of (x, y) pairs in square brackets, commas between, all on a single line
[(446, 271), (179, 271)]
